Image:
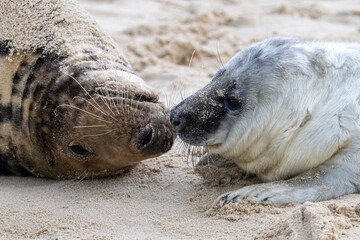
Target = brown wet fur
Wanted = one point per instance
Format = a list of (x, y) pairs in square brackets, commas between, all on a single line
[(71, 106)]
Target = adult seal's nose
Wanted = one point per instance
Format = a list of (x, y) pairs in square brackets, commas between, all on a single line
[(154, 139)]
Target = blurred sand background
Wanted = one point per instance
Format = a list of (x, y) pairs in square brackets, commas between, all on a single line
[(177, 46)]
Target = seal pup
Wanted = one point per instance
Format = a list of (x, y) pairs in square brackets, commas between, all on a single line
[(289, 112), (70, 104)]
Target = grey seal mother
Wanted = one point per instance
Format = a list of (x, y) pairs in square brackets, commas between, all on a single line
[(70, 104), (286, 110)]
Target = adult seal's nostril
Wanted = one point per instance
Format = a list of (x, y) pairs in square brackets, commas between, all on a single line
[(154, 139), (145, 138)]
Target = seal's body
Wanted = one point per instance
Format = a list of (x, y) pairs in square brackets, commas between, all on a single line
[(70, 104), (283, 109)]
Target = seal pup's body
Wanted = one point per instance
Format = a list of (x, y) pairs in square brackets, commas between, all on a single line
[(70, 104), (283, 109)]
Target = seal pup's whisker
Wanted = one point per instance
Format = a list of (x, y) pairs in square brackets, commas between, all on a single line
[(190, 61), (181, 95), (219, 57), (188, 152)]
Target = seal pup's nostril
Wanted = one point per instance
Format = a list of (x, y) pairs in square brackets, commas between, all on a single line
[(176, 120), (176, 123)]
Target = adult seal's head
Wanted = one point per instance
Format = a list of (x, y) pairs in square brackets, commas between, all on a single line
[(70, 104), (282, 109)]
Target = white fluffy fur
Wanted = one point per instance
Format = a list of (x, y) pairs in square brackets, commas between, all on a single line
[(310, 127)]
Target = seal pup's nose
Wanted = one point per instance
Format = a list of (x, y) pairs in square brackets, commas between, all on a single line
[(177, 120)]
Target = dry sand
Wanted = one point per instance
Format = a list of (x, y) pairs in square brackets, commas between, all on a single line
[(163, 198)]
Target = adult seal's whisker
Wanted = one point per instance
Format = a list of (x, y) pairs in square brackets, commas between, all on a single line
[(82, 110), (87, 93), (87, 101), (91, 126)]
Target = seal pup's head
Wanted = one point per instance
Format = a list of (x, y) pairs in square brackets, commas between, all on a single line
[(252, 105)]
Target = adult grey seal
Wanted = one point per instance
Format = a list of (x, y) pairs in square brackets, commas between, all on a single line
[(286, 110), (70, 104)]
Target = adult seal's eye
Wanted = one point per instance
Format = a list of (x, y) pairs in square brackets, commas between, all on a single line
[(233, 104), (79, 150)]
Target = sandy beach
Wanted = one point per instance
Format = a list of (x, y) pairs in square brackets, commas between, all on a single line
[(176, 47)]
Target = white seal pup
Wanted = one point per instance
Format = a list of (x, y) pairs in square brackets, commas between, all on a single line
[(286, 110)]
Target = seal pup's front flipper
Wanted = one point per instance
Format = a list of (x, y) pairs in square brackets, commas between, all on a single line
[(339, 176)]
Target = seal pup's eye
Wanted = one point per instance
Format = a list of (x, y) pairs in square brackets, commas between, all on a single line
[(78, 150), (233, 104)]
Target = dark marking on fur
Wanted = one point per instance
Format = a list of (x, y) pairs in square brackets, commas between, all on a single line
[(24, 64), (9, 164), (5, 113), (17, 117), (17, 78), (29, 81), (5, 47), (4, 167), (15, 92)]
